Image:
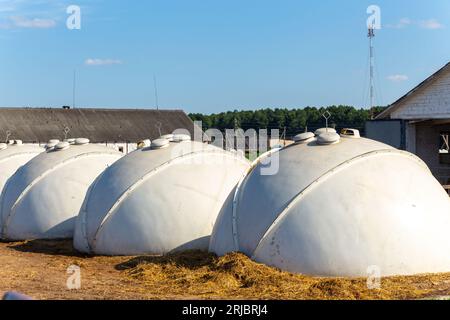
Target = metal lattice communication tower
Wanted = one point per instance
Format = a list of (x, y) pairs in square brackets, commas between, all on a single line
[(74, 85), (156, 92), (371, 35)]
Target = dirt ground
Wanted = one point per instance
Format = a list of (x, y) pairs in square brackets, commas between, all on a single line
[(39, 269)]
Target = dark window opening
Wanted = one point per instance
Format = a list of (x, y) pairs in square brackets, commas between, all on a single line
[(444, 148)]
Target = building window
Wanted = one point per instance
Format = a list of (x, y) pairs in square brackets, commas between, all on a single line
[(444, 148)]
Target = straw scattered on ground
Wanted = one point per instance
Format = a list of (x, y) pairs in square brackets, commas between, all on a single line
[(39, 269), (235, 276)]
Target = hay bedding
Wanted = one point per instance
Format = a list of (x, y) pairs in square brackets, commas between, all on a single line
[(235, 276)]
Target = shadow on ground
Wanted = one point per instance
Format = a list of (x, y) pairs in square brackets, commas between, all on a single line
[(49, 247), (191, 259)]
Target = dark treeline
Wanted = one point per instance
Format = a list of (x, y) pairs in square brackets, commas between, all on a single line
[(294, 121)]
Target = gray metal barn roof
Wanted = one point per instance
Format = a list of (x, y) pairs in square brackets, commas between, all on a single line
[(99, 125)]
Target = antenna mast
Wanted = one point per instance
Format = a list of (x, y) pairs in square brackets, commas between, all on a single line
[(371, 35), (156, 92), (73, 88)]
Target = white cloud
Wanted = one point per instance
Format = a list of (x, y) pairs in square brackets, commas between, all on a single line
[(397, 77), (424, 24), (6, 9), (9, 5), (22, 22), (36, 14), (102, 62), (402, 23), (430, 24)]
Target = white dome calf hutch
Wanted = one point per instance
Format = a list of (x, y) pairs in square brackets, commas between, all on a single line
[(158, 199), (338, 206), (13, 156), (41, 200)]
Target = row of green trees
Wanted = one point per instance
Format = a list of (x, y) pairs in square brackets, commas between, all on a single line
[(292, 121)]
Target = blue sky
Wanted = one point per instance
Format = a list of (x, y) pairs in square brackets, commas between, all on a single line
[(212, 56)]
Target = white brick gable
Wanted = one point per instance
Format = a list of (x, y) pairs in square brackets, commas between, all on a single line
[(430, 101)]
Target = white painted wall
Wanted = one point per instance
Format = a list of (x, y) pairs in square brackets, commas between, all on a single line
[(126, 147)]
